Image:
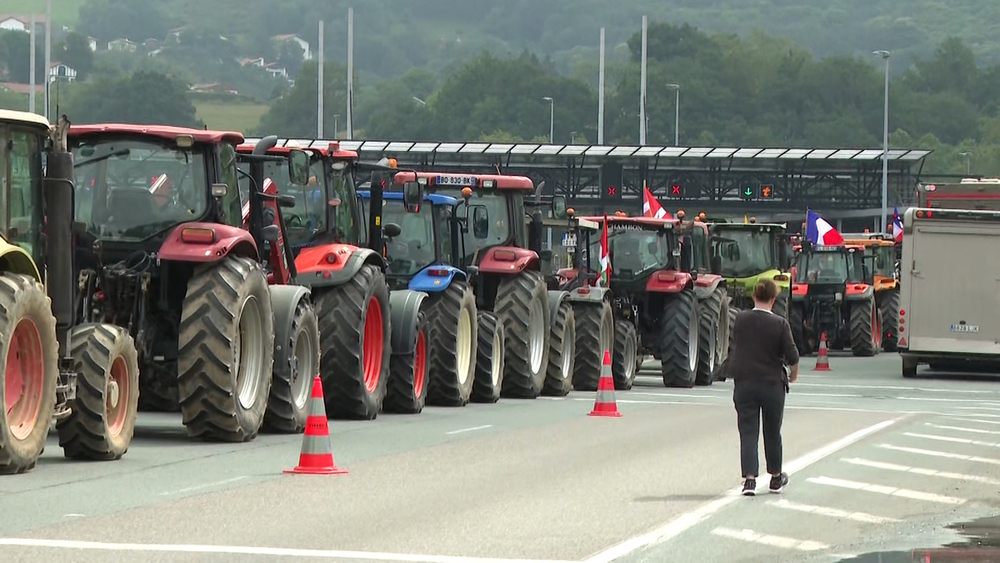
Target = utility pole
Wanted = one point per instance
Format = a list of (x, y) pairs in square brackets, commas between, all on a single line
[(319, 86), (33, 58), (350, 74), (642, 87), (885, 144), (48, 54), (552, 118), (677, 111), (600, 95)]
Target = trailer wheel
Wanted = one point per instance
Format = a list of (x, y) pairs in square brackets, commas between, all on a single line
[(523, 304), (709, 324), (890, 320), (225, 351), (406, 390), (291, 385), (864, 328), (489, 359), (623, 362), (28, 393), (453, 345), (679, 340), (595, 334), (102, 421), (909, 366), (562, 344), (354, 339)]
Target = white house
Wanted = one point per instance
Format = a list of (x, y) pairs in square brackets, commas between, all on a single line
[(122, 44), (21, 23), (306, 51), (60, 71), (92, 42)]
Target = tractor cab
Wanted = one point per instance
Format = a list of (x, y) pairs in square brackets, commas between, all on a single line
[(638, 247)]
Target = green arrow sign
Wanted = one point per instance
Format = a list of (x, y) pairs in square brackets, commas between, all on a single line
[(748, 192)]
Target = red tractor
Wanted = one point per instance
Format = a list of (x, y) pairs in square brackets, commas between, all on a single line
[(372, 357), (163, 253)]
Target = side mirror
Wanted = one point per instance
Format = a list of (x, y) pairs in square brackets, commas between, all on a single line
[(480, 221), (392, 230), (559, 207), (271, 233), (413, 196), (298, 167)]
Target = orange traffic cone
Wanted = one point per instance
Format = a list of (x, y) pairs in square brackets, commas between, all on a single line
[(605, 404), (317, 451), (822, 362)]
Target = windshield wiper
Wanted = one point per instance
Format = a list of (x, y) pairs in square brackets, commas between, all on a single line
[(119, 152)]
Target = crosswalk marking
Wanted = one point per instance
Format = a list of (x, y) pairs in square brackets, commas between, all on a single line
[(935, 453), (833, 512), (774, 541), (885, 490), (921, 471), (960, 428), (963, 419), (951, 439)]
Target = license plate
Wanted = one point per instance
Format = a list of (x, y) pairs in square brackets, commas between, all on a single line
[(456, 181), (964, 328)]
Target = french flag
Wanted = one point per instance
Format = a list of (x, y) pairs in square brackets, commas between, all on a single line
[(819, 231), (897, 226)]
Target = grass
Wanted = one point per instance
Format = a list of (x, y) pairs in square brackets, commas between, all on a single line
[(64, 12), (242, 117)]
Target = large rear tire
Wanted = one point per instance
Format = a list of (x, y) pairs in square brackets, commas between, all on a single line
[(679, 340), (562, 345), (864, 328), (489, 359), (102, 423), (225, 351), (781, 304), (28, 393), (623, 362), (451, 318), (890, 320), (595, 334), (709, 330), (406, 390), (354, 337), (291, 385), (523, 304)]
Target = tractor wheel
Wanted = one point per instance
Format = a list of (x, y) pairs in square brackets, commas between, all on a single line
[(354, 339), (679, 340), (562, 344), (595, 335), (796, 322), (781, 303), (28, 392), (489, 359), (107, 394), (453, 345), (909, 366), (864, 328), (890, 320), (733, 313), (406, 390), (225, 352), (726, 342), (523, 304), (291, 385), (623, 364), (709, 331)]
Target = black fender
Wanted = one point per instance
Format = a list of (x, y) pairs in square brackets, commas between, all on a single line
[(588, 295), (285, 300), (359, 257), (404, 308), (555, 300)]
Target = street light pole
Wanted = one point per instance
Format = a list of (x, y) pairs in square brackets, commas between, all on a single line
[(552, 118), (968, 162), (885, 143), (677, 111)]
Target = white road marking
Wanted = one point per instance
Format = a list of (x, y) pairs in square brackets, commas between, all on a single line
[(951, 439), (672, 395), (833, 512), (203, 486), (961, 428), (774, 541), (921, 471), (989, 408), (473, 429), (976, 419), (272, 551), (74, 515), (690, 519), (894, 388), (934, 453), (885, 490)]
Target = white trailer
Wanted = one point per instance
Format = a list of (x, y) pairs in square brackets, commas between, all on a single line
[(949, 287)]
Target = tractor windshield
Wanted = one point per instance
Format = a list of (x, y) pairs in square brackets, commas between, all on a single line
[(413, 249), (131, 190), (308, 217), (488, 207), (756, 253), (885, 260), (822, 267), (634, 252)]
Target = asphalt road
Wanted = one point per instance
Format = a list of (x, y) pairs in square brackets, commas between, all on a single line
[(876, 462)]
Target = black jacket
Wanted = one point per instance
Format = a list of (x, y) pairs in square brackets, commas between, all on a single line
[(762, 347)]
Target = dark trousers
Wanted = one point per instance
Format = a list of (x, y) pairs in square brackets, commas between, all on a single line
[(753, 398)]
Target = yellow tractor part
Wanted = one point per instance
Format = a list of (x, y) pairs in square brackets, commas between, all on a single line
[(15, 260)]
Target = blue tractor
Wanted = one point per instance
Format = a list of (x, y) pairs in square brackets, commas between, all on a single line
[(466, 346)]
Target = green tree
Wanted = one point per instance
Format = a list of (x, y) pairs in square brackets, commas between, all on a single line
[(144, 98), (294, 114), (74, 51)]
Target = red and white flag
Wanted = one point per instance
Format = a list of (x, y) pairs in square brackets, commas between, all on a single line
[(605, 278), (651, 207), (897, 226)]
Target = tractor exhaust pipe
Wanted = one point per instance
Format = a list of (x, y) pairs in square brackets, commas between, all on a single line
[(58, 192)]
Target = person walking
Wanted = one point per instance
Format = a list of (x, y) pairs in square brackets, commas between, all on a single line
[(762, 347)]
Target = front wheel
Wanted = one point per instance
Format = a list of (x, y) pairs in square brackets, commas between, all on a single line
[(489, 359), (890, 320), (291, 385), (864, 328), (623, 362), (562, 344), (28, 342), (679, 340), (523, 304), (107, 394), (595, 335), (453, 335), (406, 390), (709, 330)]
